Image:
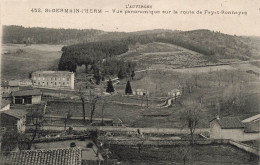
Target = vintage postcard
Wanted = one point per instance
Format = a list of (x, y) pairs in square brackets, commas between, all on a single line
[(130, 82)]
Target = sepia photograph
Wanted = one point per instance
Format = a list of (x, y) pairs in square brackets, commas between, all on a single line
[(130, 82)]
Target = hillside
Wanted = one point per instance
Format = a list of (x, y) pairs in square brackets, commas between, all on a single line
[(39, 35), (172, 49)]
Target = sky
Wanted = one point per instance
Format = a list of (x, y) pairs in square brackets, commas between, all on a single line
[(18, 12)]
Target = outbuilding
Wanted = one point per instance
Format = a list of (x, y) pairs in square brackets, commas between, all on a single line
[(14, 119), (31, 96)]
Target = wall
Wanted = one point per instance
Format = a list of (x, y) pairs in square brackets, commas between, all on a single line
[(8, 122), (5, 108), (21, 124), (128, 129), (215, 130), (36, 99), (234, 134)]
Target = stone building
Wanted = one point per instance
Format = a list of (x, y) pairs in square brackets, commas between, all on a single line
[(53, 79), (14, 119)]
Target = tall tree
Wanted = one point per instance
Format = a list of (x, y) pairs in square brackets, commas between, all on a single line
[(191, 116), (110, 87), (67, 118), (128, 89), (93, 100), (82, 98), (97, 76), (133, 75)]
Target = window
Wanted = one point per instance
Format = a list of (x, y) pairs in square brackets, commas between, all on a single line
[(63, 83), (51, 78), (55, 78), (68, 79), (55, 83), (39, 83)]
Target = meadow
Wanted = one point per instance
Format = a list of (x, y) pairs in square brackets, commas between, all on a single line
[(18, 60)]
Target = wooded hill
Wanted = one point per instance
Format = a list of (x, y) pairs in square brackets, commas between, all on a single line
[(213, 45)]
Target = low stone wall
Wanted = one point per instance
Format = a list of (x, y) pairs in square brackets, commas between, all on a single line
[(165, 142), (245, 147), (176, 131)]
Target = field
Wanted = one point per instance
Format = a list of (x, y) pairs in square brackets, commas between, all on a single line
[(19, 60), (198, 155)]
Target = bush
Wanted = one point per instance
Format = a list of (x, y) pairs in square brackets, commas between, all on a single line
[(90, 145)]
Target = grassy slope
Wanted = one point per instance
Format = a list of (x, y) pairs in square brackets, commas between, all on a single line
[(212, 155), (21, 59)]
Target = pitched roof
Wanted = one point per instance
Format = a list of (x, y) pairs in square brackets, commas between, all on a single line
[(11, 83), (4, 103), (252, 127), (29, 92), (16, 113), (230, 122), (68, 156), (52, 72), (253, 118)]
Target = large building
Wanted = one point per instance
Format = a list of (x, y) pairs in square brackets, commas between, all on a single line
[(53, 79)]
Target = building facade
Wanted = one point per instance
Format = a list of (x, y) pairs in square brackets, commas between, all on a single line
[(53, 79), (232, 128), (7, 87), (14, 119), (32, 96)]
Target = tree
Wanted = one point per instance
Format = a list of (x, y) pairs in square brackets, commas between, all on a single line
[(128, 89), (93, 100), (191, 116), (133, 75), (184, 153), (121, 73), (36, 117), (67, 118), (82, 98), (110, 87), (97, 76)]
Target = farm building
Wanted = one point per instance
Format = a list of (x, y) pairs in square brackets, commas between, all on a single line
[(53, 79), (174, 92), (7, 87), (117, 122), (5, 105), (32, 96), (233, 128), (141, 92), (14, 119)]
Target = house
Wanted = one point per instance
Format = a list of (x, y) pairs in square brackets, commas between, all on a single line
[(233, 128), (14, 119), (31, 96), (141, 92), (117, 122), (174, 92), (53, 79), (7, 87), (5, 105), (68, 156)]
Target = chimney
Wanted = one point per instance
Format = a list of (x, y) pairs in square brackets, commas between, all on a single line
[(217, 117)]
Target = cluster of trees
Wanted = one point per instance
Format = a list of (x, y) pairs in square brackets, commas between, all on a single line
[(36, 35)]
